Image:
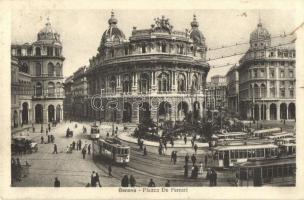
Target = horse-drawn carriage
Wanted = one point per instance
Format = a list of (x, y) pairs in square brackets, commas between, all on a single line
[(23, 144)]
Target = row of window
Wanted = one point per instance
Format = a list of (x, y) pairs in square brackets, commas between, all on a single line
[(249, 153), (260, 73), (50, 51), (51, 69)]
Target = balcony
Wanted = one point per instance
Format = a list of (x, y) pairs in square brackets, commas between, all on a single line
[(50, 96)]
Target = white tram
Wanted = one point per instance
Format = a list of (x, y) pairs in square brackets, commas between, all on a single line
[(112, 149), (227, 156), (94, 132), (266, 132)]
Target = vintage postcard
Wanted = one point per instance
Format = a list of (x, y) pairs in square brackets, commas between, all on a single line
[(151, 99)]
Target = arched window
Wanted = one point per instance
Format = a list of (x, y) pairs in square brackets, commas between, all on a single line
[(144, 83), (58, 88), (163, 82), (163, 47), (194, 83), (51, 89), (256, 91), (127, 84), (181, 83), (58, 69), (38, 69), (38, 51), (51, 69), (38, 89), (113, 84), (263, 90)]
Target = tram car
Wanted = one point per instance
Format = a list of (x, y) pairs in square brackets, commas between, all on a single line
[(266, 132), (94, 132), (112, 150), (228, 156)]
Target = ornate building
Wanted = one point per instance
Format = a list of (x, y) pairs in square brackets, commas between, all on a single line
[(37, 68), (159, 73), (267, 78), (216, 94), (232, 78)]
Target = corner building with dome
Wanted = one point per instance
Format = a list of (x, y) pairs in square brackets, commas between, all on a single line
[(158, 72), (37, 92), (267, 77)]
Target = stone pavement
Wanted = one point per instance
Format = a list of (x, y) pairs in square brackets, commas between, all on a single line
[(71, 169)]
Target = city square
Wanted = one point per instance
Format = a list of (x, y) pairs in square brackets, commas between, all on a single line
[(145, 111)]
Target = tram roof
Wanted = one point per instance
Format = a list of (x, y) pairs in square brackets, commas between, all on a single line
[(113, 143), (241, 147), (280, 135), (267, 162), (267, 130)]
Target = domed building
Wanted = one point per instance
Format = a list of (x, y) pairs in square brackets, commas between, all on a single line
[(157, 73), (267, 78), (40, 67)]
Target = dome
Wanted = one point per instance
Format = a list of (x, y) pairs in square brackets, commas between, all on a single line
[(196, 35), (113, 33), (48, 33), (260, 33)]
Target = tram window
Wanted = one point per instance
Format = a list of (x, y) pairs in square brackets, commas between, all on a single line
[(262, 153), (232, 154), (269, 171), (272, 152), (119, 151), (236, 154), (280, 171), (220, 155), (285, 171), (127, 151), (249, 153), (264, 171), (243, 154), (253, 153), (275, 171), (267, 152), (258, 153)]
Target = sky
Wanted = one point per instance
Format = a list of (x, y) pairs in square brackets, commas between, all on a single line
[(81, 30)]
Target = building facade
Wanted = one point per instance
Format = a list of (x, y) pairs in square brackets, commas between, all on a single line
[(267, 79), (216, 94), (79, 94), (39, 79), (158, 72), (232, 78), (68, 100)]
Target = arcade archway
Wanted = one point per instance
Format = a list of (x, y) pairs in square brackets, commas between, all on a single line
[(38, 113)]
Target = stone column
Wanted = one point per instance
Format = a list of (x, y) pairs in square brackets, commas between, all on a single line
[(267, 112), (45, 115), (287, 111), (278, 112), (55, 115)]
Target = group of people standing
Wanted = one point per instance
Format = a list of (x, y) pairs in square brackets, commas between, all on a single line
[(95, 180), (126, 181)]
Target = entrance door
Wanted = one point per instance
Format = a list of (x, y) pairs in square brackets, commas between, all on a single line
[(257, 174)]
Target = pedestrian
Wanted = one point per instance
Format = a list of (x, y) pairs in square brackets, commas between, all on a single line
[(18, 169), (42, 139), (186, 158), (33, 129), (110, 170), (167, 183), (132, 181), (93, 179), (145, 151), (56, 182), (79, 144), (52, 138), (84, 152), (172, 156), (201, 169), (208, 176), (193, 159), (192, 142), (73, 145), (55, 149), (97, 180), (172, 142), (186, 171), (214, 177), (185, 139), (151, 183), (108, 135), (175, 157), (46, 132), (195, 148), (165, 144), (89, 149), (125, 181), (160, 150), (206, 160), (49, 127), (41, 130)]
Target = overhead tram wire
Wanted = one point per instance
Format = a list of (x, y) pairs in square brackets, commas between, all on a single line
[(243, 43), (243, 53)]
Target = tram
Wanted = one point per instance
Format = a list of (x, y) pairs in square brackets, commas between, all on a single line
[(111, 149), (280, 136), (266, 132), (94, 132), (267, 172), (227, 156)]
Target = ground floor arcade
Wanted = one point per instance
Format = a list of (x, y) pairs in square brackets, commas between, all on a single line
[(268, 110)]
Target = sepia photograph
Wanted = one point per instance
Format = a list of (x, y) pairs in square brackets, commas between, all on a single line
[(153, 100)]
